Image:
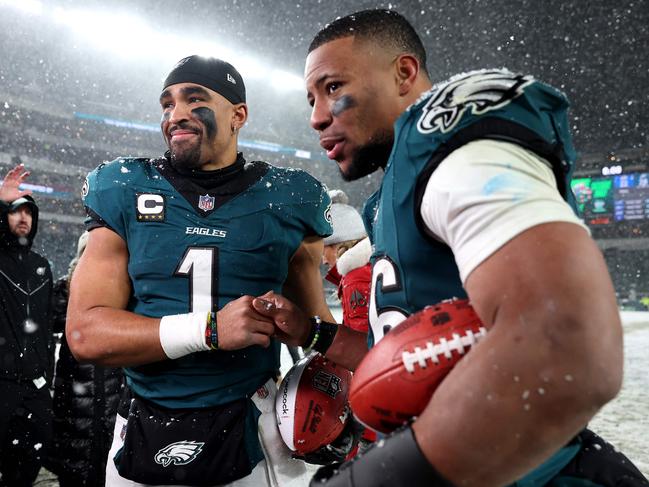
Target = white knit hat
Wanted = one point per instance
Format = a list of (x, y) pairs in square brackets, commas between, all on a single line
[(82, 242), (347, 222)]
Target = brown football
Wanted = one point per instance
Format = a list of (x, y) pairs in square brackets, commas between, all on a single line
[(398, 376)]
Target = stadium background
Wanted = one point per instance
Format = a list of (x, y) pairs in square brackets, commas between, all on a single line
[(79, 83)]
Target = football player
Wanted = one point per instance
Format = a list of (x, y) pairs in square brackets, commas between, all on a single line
[(474, 202), (178, 247)]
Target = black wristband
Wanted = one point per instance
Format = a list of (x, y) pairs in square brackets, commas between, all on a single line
[(395, 461), (327, 334), (321, 336)]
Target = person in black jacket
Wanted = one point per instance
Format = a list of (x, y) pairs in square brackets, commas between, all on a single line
[(26, 340), (86, 397)]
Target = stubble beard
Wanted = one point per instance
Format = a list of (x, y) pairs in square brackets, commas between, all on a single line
[(370, 157), (19, 233), (187, 157)]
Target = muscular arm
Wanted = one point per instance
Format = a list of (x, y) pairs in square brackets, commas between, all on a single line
[(98, 328), (304, 288), (553, 355), (303, 284), (552, 358)]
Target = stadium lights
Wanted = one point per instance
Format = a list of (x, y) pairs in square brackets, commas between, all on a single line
[(27, 6), (125, 35), (131, 37), (247, 66), (285, 81)]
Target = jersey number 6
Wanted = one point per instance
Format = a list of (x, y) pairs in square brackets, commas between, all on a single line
[(384, 319)]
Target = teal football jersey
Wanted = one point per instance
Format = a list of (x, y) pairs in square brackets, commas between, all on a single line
[(410, 268), (193, 249)]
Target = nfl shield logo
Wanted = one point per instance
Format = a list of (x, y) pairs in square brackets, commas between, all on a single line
[(206, 202), (327, 383)]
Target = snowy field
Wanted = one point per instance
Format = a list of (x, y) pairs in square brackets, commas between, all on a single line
[(624, 422)]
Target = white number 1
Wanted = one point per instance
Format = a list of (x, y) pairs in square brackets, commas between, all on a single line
[(200, 265)]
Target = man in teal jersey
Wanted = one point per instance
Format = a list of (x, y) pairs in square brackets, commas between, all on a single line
[(473, 202), (178, 247)]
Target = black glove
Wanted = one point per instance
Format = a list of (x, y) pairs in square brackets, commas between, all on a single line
[(395, 461), (337, 450)]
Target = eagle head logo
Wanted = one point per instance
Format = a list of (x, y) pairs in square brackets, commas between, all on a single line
[(480, 91), (179, 453)]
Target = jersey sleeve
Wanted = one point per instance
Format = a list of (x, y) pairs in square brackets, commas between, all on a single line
[(315, 208), (486, 193), (103, 198)]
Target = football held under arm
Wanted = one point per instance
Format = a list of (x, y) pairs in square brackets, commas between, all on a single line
[(553, 354)]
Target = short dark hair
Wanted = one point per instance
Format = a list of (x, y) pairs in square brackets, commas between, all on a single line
[(386, 27)]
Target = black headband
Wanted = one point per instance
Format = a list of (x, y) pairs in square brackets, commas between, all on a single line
[(212, 73)]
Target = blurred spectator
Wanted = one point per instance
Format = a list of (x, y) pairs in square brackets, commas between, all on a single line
[(26, 340), (85, 404), (347, 254)]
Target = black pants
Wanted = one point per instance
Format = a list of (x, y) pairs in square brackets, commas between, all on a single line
[(599, 463), (25, 431)]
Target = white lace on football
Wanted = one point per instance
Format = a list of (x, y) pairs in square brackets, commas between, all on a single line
[(445, 347)]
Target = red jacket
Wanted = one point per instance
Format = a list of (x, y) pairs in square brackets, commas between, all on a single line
[(354, 294), (353, 275)]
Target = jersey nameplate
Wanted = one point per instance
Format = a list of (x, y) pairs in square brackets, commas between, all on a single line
[(150, 207)]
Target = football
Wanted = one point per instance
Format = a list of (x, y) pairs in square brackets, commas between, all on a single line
[(398, 376), (312, 403)]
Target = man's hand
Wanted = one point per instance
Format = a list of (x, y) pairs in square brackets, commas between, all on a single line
[(240, 326), (291, 324), (10, 189)]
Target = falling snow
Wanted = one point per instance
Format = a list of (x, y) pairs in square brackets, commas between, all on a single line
[(73, 98)]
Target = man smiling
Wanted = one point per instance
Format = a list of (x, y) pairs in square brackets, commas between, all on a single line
[(181, 244)]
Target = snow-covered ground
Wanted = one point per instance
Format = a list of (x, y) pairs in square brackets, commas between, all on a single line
[(624, 422)]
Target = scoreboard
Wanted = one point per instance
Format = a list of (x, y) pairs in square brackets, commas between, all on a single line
[(604, 200)]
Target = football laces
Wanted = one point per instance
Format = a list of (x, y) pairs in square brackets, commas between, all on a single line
[(433, 351)]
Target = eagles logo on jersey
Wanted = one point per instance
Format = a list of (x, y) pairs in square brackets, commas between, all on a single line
[(410, 268), (179, 453), (84, 188), (194, 249), (479, 90), (327, 215)]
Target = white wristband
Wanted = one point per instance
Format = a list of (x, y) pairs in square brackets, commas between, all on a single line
[(183, 334)]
